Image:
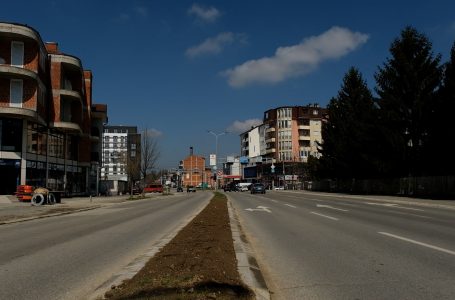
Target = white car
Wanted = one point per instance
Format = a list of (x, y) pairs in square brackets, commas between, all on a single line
[(277, 188), (243, 188)]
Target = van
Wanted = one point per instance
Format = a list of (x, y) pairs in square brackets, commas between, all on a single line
[(153, 188)]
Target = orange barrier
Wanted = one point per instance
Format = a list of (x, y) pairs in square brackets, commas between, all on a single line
[(24, 192)]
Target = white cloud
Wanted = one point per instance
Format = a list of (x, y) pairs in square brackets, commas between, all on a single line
[(296, 60), (240, 127), (141, 10), (211, 45), (204, 14), (152, 132)]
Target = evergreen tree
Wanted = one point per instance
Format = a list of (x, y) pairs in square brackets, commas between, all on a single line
[(348, 150), (442, 147), (406, 85)]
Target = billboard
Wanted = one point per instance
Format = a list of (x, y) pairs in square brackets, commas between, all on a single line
[(243, 159), (230, 159)]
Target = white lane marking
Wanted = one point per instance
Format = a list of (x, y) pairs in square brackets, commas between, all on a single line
[(331, 207), (290, 205), (328, 217), (259, 208), (382, 204), (418, 243), (274, 200), (393, 205)]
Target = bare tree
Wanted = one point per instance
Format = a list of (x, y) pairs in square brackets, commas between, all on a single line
[(150, 152), (133, 169)]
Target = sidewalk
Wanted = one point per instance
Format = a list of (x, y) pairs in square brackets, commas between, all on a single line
[(12, 210)]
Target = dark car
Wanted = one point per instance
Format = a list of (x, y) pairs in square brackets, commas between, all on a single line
[(190, 189), (257, 188), (136, 190)]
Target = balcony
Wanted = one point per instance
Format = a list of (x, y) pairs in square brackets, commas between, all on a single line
[(304, 138), (304, 127), (21, 113), (69, 61), (70, 94), (20, 73), (18, 31), (271, 150), (270, 129), (270, 140), (68, 127)]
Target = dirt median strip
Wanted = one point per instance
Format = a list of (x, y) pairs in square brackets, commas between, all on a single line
[(199, 263)]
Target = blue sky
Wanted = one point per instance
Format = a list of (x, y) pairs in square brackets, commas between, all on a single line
[(181, 68)]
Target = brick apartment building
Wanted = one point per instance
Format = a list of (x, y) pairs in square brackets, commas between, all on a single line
[(49, 128)]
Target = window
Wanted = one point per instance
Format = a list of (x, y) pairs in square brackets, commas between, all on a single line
[(2, 61), (16, 93), (17, 54)]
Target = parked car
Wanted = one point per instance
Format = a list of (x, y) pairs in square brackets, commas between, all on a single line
[(153, 188), (257, 188), (277, 188), (136, 190), (190, 189)]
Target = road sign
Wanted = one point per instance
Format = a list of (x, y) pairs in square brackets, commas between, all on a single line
[(219, 173), (212, 159)]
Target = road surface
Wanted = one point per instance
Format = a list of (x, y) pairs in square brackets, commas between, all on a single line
[(70, 256), (314, 246)]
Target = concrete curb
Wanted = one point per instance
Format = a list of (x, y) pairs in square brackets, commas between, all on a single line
[(48, 215), (246, 262)]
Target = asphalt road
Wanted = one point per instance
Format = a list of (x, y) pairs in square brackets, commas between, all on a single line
[(70, 256), (313, 246)]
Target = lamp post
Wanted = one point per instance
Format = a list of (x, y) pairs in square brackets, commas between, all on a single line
[(216, 152)]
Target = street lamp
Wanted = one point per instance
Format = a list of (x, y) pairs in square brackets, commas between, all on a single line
[(216, 151)]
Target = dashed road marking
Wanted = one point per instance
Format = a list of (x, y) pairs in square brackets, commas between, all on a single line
[(418, 243), (330, 207), (328, 217), (290, 205)]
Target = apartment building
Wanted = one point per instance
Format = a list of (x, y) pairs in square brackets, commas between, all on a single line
[(276, 148), (121, 157), (48, 134), (293, 132)]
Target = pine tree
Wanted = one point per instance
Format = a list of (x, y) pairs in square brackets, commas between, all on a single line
[(350, 131), (406, 85), (442, 135)]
